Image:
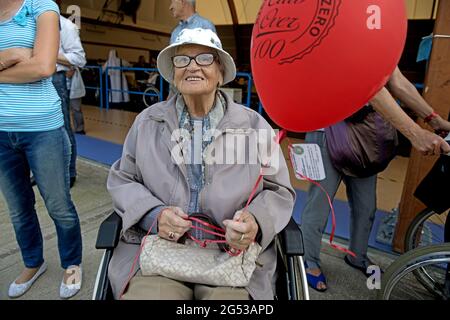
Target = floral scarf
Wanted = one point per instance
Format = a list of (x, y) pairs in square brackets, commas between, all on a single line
[(210, 123)]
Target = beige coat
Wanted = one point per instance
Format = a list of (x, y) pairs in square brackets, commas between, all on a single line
[(146, 177)]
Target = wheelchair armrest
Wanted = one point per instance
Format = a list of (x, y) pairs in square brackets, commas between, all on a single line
[(292, 239), (109, 232)]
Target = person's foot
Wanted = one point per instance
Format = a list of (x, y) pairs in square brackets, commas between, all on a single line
[(25, 280), (71, 282), (26, 275), (72, 181), (361, 266), (316, 279), (81, 132)]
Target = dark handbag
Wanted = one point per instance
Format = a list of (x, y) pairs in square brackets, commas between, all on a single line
[(434, 189), (362, 145)]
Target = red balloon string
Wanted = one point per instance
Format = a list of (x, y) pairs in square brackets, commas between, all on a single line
[(330, 203)]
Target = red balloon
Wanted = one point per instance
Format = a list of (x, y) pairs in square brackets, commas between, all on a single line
[(316, 62)]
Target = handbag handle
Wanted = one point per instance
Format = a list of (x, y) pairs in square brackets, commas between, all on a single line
[(204, 243)]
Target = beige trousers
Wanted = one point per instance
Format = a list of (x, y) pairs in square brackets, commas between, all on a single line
[(161, 288)]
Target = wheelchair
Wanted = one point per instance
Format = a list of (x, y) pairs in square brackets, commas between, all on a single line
[(291, 282), (423, 272)]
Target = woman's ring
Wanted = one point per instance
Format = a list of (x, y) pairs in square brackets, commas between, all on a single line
[(171, 235)]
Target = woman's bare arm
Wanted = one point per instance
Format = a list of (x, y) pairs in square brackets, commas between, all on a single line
[(421, 139), (404, 90), (42, 64)]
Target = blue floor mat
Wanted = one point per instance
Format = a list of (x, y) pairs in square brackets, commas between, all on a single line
[(107, 153), (98, 150), (342, 211)]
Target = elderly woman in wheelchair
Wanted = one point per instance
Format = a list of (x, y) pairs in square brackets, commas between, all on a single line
[(176, 163)]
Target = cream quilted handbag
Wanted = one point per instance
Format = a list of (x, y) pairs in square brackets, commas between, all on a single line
[(191, 263)]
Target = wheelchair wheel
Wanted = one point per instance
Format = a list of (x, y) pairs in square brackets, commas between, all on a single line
[(399, 281), (150, 96), (426, 229)]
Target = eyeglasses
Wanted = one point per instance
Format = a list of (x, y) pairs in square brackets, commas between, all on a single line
[(202, 59)]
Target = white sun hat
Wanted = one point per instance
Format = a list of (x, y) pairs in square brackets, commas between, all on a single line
[(198, 36)]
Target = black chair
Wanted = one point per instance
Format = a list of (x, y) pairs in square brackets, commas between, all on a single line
[(291, 282)]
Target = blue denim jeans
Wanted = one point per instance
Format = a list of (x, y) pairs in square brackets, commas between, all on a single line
[(47, 154), (60, 83)]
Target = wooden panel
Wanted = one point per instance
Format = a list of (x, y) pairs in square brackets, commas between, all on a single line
[(102, 34), (436, 5), (150, 16), (101, 51), (410, 8), (437, 91), (215, 10), (247, 10), (423, 9)]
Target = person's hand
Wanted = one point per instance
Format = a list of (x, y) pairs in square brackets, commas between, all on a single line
[(13, 56), (172, 223), (70, 73), (242, 230), (429, 143), (441, 126), (23, 53)]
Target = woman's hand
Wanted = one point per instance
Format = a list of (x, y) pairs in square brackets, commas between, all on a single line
[(13, 56), (440, 125), (242, 230), (172, 223), (429, 143), (70, 73)]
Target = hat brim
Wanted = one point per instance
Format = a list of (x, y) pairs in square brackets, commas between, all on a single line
[(165, 65)]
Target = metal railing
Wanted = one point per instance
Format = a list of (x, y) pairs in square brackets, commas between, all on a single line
[(104, 83), (249, 86), (108, 90)]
